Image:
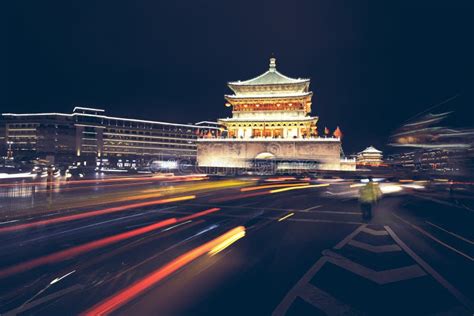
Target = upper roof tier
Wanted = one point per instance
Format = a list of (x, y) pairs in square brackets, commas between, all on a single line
[(270, 83), (371, 150)]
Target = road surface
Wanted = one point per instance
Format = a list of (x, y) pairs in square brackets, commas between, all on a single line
[(250, 246)]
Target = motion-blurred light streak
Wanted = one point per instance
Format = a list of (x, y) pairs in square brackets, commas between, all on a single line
[(113, 302), (237, 197), (192, 216), (78, 250), (300, 187), (269, 186), (94, 213), (227, 243)]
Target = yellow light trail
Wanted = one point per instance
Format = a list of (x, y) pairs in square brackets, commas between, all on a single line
[(226, 243), (268, 186), (300, 187), (286, 216)]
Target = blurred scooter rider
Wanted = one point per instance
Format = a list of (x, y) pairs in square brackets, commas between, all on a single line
[(368, 196)]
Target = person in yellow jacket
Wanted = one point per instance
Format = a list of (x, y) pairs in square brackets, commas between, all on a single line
[(368, 196)]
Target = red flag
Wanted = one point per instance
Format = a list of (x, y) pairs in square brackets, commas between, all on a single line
[(337, 133)]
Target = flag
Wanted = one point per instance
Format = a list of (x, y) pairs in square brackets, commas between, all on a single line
[(337, 133)]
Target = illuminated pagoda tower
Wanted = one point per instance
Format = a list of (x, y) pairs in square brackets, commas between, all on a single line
[(270, 120), (270, 105)]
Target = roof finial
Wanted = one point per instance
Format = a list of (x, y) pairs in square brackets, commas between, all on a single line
[(272, 63)]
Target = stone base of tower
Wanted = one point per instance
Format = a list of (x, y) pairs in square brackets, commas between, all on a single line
[(242, 153)]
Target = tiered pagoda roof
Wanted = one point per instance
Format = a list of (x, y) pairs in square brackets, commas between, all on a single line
[(270, 84), (371, 150)]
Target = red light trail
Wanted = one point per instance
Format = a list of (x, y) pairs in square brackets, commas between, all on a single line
[(113, 302), (77, 250), (93, 213)]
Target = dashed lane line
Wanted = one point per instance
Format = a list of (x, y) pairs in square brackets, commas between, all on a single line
[(454, 291), (451, 233), (306, 220), (311, 208), (424, 232)]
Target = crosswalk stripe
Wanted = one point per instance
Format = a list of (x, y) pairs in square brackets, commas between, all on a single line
[(343, 242), (374, 232), (372, 248), (324, 301), (379, 277)]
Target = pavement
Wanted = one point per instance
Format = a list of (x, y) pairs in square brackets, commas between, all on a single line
[(198, 246)]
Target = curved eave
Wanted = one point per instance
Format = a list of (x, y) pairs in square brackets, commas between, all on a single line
[(249, 84), (261, 120), (269, 77), (233, 97)]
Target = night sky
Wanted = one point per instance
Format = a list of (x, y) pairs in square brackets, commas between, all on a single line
[(372, 65)]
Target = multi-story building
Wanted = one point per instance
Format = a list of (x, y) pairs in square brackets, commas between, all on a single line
[(270, 121), (88, 134)]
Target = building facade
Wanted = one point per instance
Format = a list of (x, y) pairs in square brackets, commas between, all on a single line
[(270, 120), (89, 134)]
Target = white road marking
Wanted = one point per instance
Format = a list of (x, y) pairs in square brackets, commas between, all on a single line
[(293, 293), (343, 242), (372, 248), (304, 281), (455, 292), (451, 233), (311, 208), (374, 232), (379, 277), (424, 232), (324, 301), (286, 216), (337, 212)]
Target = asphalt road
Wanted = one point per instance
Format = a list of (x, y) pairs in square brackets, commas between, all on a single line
[(194, 246)]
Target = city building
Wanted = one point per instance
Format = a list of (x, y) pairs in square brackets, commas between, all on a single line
[(88, 135), (270, 121), (370, 157), (424, 144)]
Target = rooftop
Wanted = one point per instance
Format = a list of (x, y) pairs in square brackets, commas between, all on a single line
[(371, 149), (271, 77)]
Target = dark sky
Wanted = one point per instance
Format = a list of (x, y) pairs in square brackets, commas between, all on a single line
[(372, 64)]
